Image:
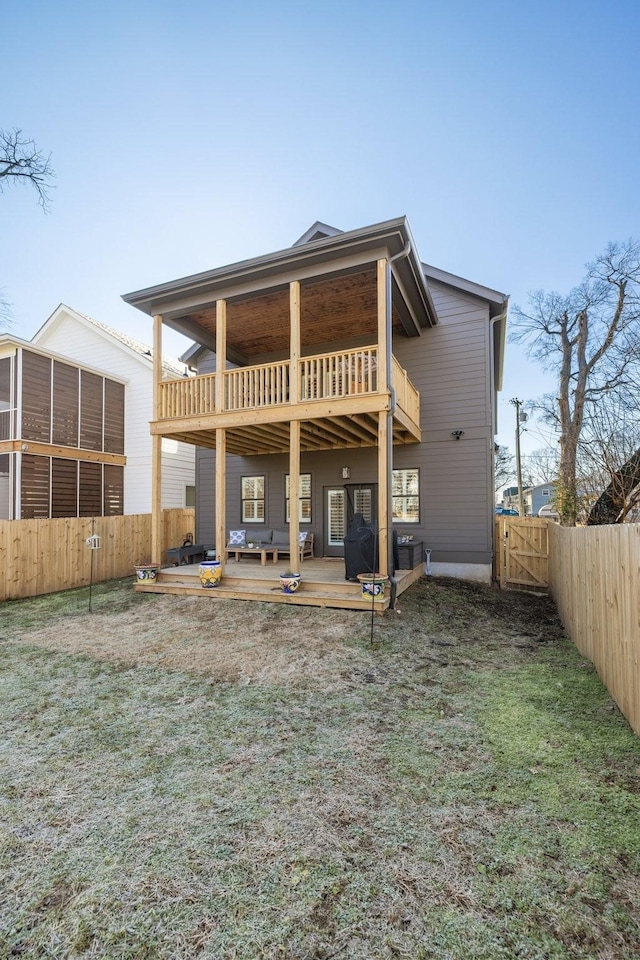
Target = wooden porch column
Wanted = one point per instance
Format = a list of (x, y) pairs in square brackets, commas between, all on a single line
[(221, 435), (294, 426), (221, 353), (294, 495), (383, 494), (156, 448), (385, 417), (384, 347), (294, 341), (221, 497)]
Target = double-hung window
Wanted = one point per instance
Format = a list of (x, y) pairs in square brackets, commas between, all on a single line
[(253, 499), (304, 512), (405, 494)]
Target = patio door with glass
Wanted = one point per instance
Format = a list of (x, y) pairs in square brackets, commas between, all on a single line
[(339, 505), (335, 517)]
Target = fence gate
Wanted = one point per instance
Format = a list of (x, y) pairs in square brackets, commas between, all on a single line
[(522, 552)]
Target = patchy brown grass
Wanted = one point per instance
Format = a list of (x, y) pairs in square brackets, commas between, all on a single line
[(187, 778)]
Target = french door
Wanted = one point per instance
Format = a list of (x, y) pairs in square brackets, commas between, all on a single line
[(337, 512)]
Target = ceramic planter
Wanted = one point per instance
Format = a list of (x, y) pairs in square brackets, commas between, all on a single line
[(289, 582), (372, 585), (210, 573), (146, 573)]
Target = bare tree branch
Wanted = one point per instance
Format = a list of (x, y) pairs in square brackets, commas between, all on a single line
[(22, 162)]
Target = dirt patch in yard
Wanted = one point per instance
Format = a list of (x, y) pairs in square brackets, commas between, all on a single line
[(245, 642)]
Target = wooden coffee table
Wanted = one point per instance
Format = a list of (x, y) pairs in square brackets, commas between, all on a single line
[(262, 549)]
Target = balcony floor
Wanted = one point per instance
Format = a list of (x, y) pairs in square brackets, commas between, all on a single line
[(323, 584)]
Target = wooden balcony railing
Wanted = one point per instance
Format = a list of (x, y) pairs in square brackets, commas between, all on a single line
[(263, 386), (189, 397), (332, 375), (407, 397), (326, 376)]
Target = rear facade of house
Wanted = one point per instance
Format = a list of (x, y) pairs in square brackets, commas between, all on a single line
[(391, 369)]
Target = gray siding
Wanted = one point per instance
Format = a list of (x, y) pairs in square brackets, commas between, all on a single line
[(450, 365)]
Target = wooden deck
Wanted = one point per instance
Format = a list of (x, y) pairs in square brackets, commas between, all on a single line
[(323, 584)]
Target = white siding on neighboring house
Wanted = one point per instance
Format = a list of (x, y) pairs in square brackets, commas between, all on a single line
[(84, 342)]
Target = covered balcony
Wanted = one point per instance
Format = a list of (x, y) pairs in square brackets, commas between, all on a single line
[(337, 398)]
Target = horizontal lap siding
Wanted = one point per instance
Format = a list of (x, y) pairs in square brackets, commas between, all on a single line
[(450, 366)]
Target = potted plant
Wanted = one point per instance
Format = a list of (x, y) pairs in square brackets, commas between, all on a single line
[(146, 572), (289, 581)]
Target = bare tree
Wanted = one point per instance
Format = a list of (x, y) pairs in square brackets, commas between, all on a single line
[(609, 458), (589, 339), (541, 466), (22, 162), (5, 313)]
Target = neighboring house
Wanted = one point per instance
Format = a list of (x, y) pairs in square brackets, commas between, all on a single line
[(351, 370), (510, 499), (535, 498), (88, 342), (62, 436)]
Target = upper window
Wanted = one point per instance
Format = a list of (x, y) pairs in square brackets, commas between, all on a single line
[(253, 499), (406, 496), (304, 512)]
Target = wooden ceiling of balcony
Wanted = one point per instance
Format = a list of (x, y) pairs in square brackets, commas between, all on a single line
[(333, 433), (259, 325)]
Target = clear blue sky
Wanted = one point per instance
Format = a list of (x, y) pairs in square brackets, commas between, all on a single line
[(187, 136)]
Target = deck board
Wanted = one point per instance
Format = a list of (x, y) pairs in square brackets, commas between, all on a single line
[(323, 584)]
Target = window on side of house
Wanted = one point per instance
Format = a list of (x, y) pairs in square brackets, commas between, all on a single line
[(189, 496), (405, 494), (252, 499), (305, 498)]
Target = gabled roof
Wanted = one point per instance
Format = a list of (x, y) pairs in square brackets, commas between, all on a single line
[(317, 231), (15, 343), (183, 303), (171, 367), (498, 305)]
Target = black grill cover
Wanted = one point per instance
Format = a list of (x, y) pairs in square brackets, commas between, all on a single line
[(360, 548)]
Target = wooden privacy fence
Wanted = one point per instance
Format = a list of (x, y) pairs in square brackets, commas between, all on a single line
[(594, 578), (522, 553), (44, 556)]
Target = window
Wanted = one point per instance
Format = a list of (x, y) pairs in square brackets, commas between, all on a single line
[(405, 496), (189, 495), (253, 499), (305, 498), (546, 493)]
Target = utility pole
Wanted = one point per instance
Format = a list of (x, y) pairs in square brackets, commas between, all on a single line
[(521, 417)]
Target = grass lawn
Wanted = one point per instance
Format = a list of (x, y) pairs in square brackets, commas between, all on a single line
[(188, 778)]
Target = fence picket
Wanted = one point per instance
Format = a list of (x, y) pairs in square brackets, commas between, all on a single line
[(44, 556)]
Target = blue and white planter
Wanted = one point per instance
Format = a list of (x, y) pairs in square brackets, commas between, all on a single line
[(289, 582), (210, 573), (372, 585)]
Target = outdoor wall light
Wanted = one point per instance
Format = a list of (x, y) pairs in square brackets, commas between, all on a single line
[(456, 434), (346, 473)]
